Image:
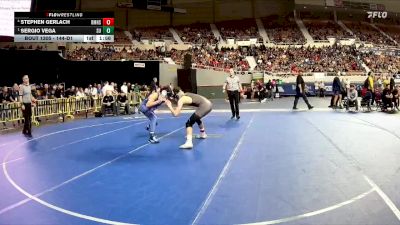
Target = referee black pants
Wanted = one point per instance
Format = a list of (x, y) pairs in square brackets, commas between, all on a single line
[(27, 113), (296, 99), (234, 102)]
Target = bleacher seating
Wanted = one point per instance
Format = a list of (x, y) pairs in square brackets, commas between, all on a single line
[(321, 30), (199, 33), (239, 29), (153, 33), (366, 33), (283, 30)]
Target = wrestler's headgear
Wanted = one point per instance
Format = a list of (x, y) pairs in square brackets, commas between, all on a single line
[(173, 93)]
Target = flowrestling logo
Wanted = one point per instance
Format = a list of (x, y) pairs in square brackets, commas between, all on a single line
[(376, 14)]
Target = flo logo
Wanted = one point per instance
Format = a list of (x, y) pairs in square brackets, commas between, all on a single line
[(376, 14)]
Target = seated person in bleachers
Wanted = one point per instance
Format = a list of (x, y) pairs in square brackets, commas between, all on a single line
[(108, 103), (122, 101), (396, 97), (387, 98), (352, 96)]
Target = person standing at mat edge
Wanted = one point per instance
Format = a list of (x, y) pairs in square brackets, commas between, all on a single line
[(26, 99), (234, 87), (300, 92), (204, 107)]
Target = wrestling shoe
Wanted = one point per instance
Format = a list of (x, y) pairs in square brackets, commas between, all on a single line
[(187, 145), (154, 140), (202, 136)]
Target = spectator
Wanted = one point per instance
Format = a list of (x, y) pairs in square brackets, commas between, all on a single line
[(5, 96), (154, 84), (396, 97), (129, 87), (80, 93), (124, 88), (59, 93), (387, 98), (352, 96), (322, 89), (15, 92), (107, 87), (337, 93), (392, 82), (45, 92), (108, 103), (122, 101), (99, 90), (92, 91), (114, 88), (53, 91)]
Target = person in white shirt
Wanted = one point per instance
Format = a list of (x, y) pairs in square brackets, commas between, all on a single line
[(80, 93), (234, 87), (352, 96), (124, 88), (114, 87), (104, 88), (92, 91), (107, 87), (87, 91)]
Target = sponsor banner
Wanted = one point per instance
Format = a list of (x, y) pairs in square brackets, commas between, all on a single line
[(139, 65)]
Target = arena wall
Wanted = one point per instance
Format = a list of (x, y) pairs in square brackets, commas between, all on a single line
[(204, 11), (201, 12), (97, 4), (147, 18), (310, 2), (390, 5), (264, 8)]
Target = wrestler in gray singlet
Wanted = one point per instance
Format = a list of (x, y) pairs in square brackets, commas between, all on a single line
[(204, 106)]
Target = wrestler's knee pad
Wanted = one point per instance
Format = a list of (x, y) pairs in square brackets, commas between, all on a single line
[(191, 121)]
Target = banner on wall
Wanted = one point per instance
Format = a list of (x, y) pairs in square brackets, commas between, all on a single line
[(319, 76), (258, 75), (139, 65)]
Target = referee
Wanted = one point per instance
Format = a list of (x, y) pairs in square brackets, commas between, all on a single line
[(26, 98), (233, 86), (301, 92)]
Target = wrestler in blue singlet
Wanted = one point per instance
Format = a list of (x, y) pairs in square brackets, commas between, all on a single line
[(151, 103)]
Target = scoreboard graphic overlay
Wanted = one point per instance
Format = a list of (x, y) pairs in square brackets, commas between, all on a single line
[(63, 27)]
